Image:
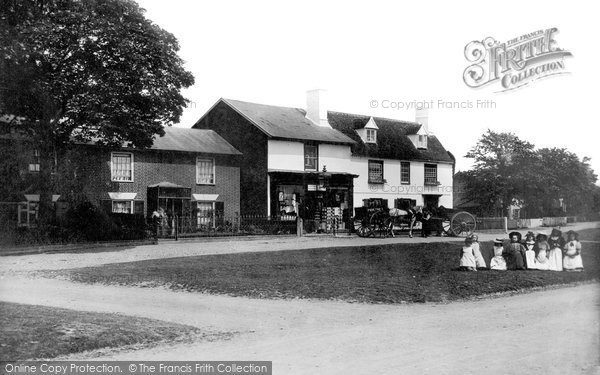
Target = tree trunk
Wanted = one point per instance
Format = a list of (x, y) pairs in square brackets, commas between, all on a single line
[(45, 183)]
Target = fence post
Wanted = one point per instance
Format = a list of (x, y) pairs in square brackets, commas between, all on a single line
[(505, 224), (176, 227), (298, 226)]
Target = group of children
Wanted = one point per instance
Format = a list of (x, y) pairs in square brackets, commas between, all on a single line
[(534, 253)]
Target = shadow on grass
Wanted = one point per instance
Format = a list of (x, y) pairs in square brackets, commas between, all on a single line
[(394, 273), (31, 332)]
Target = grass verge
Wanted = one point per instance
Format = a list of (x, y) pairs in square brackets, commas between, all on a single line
[(32, 332), (394, 273)]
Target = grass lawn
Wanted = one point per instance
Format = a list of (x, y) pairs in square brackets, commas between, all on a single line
[(31, 332), (377, 274)]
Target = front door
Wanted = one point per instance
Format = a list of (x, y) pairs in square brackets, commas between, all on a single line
[(431, 201)]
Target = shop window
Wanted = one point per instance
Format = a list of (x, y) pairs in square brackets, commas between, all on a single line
[(27, 214), (122, 166), (405, 172), (376, 172), (210, 214), (205, 171), (122, 207), (311, 157), (431, 174)]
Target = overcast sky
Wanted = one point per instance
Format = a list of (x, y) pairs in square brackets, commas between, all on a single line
[(273, 52)]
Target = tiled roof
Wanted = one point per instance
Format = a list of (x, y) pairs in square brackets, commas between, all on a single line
[(285, 122), (193, 140), (392, 138)]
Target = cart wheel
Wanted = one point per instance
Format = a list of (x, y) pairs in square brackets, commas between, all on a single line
[(361, 227), (380, 224), (462, 224)]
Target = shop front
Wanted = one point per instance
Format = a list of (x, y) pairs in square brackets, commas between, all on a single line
[(322, 199)]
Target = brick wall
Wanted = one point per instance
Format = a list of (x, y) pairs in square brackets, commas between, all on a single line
[(252, 143), (152, 167)]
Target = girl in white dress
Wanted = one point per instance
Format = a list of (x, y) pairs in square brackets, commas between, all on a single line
[(529, 251), (479, 261), (555, 257), (541, 259), (572, 261), (467, 258), (498, 262)]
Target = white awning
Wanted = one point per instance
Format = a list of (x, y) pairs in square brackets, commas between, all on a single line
[(122, 196), (36, 197), (205, 197)]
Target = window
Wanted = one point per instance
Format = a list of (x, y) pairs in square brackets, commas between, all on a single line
[(404, 172), (371, 136), (431, 174), (422, 143), (311, 157), (376, 172), (122, 207), (122, 167), (34, 166), (205, 171), (27, 214), (210, 214)]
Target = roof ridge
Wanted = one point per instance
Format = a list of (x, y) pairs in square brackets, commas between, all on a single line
[(266, 105), (379, 117)]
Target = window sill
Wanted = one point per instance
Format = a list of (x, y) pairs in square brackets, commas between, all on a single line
[(437, 183), (122, 181), (208, 184), (381, 182)]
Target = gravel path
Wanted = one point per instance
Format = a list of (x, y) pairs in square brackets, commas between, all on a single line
[(546, 332)]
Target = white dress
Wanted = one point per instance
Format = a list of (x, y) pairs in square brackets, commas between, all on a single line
[(468, 257), (541, 260), (498, 262), (479, 261), (572, 259), (530, 257), (555, 259)]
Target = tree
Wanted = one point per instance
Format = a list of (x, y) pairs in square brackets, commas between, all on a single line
[(508, 170), (497, 176), (91, 71)]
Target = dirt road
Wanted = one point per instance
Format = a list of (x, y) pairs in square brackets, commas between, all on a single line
[(547, 332)]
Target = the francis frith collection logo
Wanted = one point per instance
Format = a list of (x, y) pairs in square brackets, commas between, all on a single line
[(514, 63)]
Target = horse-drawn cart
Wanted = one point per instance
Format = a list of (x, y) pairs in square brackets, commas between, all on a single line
[(375, 219)]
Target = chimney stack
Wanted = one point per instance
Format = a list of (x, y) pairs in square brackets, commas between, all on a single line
[(422, 117), (316, 107)]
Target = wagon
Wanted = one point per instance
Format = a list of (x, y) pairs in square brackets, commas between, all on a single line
[(375, 219)]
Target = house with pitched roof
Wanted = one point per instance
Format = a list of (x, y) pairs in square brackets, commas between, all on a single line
[(318, 163), (192, 173), (398, 162)]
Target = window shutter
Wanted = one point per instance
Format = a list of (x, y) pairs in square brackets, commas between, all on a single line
[(106, 205), (138, 207)]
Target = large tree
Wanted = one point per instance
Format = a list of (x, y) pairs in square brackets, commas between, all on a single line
[(87, 71), (497, 175), (509, 170)]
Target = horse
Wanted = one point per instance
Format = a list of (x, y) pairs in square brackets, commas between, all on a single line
[(397, 215)]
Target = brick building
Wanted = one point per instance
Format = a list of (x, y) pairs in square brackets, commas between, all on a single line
[(188, 172)]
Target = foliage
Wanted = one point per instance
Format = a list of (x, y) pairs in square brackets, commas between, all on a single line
[(508, 170), (87, 71)]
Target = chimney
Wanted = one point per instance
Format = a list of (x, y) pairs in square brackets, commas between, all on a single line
[(316, 107), (422, 117)]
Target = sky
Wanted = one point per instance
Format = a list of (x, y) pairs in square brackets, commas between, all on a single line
[(368, 55)]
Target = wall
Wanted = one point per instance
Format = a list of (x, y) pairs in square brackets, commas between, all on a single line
[(393, 189), (289, 155), (252, 143), (152, 167)]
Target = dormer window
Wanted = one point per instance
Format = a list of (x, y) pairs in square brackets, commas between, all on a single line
[(368, 132), (422, 141), (371, 136)]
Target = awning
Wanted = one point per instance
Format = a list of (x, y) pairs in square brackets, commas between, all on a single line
[(122, 196), (205, 197), (36, 197), (166, 184)]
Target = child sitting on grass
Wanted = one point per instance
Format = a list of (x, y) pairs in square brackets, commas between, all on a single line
[(467, 259), (479, 261), (514, 253), (541, 259), (556, 243), (529, 251), (572, 261), (498, 262)]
